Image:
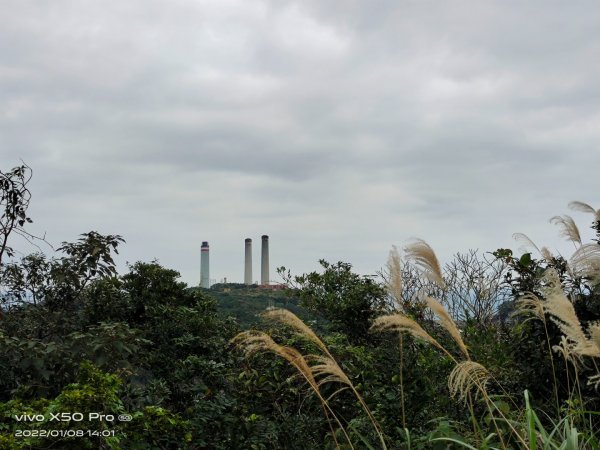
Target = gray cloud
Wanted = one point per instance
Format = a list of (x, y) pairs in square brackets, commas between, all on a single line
[(338, 128)]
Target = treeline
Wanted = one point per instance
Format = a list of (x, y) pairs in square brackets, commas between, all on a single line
[(488, 351)]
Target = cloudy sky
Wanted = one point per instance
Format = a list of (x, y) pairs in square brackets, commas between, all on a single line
[(338, 128)]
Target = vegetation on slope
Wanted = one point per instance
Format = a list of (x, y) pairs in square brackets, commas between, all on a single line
[(492, 351)]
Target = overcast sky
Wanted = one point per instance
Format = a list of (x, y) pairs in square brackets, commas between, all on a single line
[(338, 128)]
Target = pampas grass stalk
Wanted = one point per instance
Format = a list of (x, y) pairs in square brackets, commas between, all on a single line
[(568, 228), (449, 324), (395, 287), (326, 367), (466, 375), (328, 371), (395, 283), (252, 342), (531, 304), (585, 261), (402, 381), (404, 324), (424, 256), (521, 237), (562, 313), (290, 319), (584, 207)]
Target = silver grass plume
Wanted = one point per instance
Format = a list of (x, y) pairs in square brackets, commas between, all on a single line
[(565, 349), (562, 313), (447, 322), (465, 377), (394, 283), (251, 342), (594, 381), (403, 324), (328, 369), (585, 261), (526, 242), (546, 254), (424, 257), (594, 332), (560, 307), (568, 228), (290, 319), (530, 304), (584, 207)]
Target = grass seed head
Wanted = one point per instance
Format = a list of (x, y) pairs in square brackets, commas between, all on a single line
[(251, 342), (403, 324), (447, 322), (394, 284), (327, 371), (586, 261), (561, 310), (290, 319), (424, 257), (584, 207), (568, 228), (467, 376), (530, 304)]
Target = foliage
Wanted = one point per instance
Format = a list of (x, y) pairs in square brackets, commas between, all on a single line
[(356, 362), (14, 202), (94, 395), (347, 300)]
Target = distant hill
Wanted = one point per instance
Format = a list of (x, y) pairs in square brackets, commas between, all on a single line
[(245, 303)]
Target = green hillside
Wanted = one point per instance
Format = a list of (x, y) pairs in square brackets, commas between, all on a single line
[(245, 303)]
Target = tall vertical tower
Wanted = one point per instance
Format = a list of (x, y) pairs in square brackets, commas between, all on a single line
[(248, 262), (264, 266), (204, 266)]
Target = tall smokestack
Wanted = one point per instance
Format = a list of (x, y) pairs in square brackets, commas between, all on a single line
[(248, 265), (264, 266), (204, 266)]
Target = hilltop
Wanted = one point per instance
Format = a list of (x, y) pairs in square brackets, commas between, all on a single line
[(245, 303)]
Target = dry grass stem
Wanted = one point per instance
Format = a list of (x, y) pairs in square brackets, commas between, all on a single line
[(594, 381), (584, 207), (401, 323), (466, 377), (524, 240), (546, 254), (447, 322), (330, 371), (530, 304), (591, 346), (565, 349), (585, 261), (394, 284), (251, 342), (290, 319), (562, 312), (424, 257), (568, 228), (594, 331)]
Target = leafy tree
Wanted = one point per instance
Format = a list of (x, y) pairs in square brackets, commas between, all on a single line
[(150, 285), (57, 283), (348, 300), (88, 258), (14, 201), (93, 391)]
